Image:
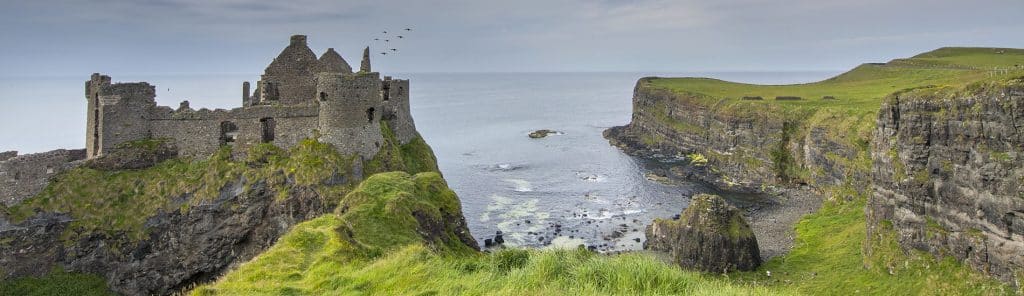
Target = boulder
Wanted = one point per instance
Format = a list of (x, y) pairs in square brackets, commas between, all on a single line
[(710, 235)]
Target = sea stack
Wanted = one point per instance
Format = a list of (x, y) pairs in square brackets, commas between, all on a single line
[(711, 235)]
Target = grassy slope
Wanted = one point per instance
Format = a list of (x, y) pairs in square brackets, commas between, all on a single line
[(316, 259)]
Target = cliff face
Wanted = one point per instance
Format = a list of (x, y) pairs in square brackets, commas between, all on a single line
[(942, 168), (747, 146), (182, 247), (948, 174)]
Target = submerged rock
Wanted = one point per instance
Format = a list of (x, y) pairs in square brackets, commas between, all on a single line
[(537, 134), (710, 236)]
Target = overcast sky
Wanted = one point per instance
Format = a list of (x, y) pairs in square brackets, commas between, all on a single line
[(69, 37)]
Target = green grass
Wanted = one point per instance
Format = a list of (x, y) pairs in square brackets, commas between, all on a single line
[(829, 259), (57, 282), (370, 249), (119, 202), (863, 88)]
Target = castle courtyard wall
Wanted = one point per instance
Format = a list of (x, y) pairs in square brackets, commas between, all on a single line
[(199, 134), (24, 176)]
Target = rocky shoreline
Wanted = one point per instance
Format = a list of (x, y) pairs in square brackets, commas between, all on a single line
[(772, 212)]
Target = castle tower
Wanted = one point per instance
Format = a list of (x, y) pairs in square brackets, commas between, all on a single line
[(289, 79), (395, 99), (350, 111), (365, 65), (118, 113), (332, 62)]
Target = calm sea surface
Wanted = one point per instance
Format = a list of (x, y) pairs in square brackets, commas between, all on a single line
[(567, 189)]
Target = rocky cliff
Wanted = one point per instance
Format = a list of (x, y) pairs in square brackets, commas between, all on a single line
[(748, 145), (710, 235), (184, 221), (948, 174), (940, 165)]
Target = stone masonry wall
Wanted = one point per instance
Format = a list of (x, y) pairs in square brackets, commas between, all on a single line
[(949, 175), (25, 176), (350, 112), (199, 133), (289, 78), (396, 109)]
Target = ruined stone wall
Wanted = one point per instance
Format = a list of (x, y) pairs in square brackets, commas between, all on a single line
[(25, 176), (395, 93), (92, 95), (948, 172), (124, 113), (199, 133), (289, 79), (350, 112)]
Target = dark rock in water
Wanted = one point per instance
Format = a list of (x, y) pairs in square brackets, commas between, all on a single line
[(591, 248), (498, 238), (637, 239), (488, 243), (675, 217), (537, 134), (135, 155), (711, 236), (527, 221)]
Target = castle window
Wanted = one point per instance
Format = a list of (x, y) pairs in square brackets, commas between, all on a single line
[(386, 92), (369, 115), (267, 126), (228, 132), (323, 96)]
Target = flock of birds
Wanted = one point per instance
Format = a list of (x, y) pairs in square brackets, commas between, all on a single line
[(388, 45)]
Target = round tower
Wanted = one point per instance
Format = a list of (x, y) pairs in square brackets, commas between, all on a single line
[(350, 112)]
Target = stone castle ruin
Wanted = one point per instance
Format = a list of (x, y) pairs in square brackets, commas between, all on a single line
[(298, 96)]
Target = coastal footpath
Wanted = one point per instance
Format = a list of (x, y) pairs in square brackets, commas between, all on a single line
[(932, 144)]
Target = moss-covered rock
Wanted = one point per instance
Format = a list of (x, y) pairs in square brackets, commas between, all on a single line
[(710, 235), (135, 155)]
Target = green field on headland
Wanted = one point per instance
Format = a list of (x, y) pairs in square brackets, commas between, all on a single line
[(863, 88)]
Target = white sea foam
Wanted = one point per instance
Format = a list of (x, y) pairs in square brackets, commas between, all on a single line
[(521, 185)]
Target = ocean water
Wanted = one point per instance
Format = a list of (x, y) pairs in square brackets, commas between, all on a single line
[(568, 189)]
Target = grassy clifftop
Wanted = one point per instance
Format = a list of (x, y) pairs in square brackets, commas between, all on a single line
[(863, 88)]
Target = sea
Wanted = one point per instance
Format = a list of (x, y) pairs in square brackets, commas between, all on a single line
[(568, 189)]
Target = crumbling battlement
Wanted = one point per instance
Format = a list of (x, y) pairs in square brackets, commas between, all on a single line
[(299, 96), (26, 175)]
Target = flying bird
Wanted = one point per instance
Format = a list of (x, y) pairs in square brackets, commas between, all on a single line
[(400, 37), (394, 49), (376, 39), (384, 53), (385, 32), (407, 29), (387, 40)]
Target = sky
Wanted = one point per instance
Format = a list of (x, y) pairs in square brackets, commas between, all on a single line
[(120, 37)]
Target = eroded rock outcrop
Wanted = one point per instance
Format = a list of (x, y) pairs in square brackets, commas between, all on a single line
[(748, 146), (948, 172), (710, 235)]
